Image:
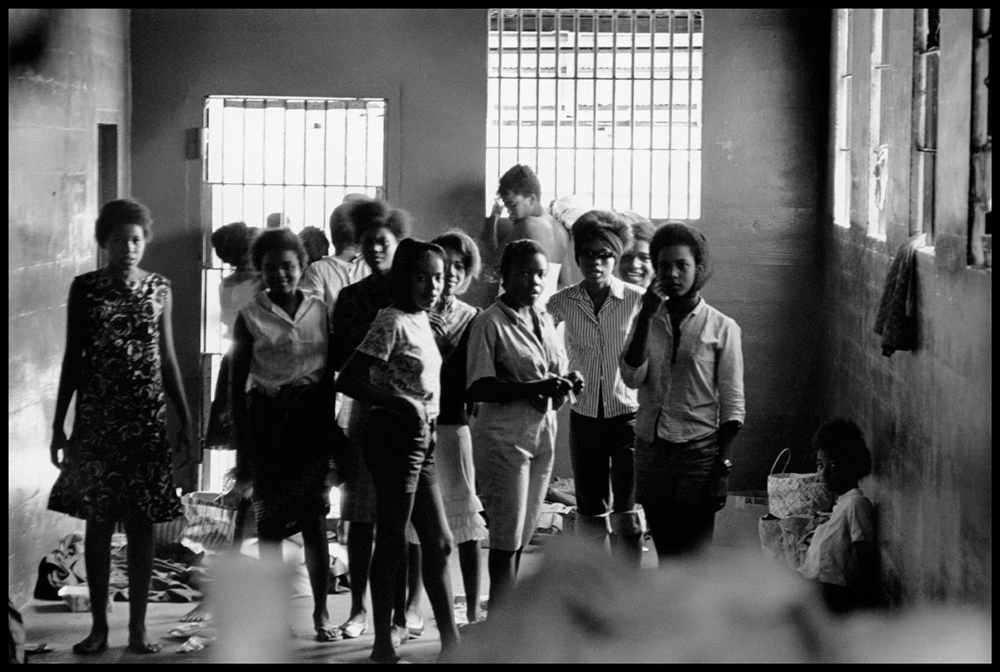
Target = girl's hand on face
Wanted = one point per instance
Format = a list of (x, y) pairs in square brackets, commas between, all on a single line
[(651, 300)]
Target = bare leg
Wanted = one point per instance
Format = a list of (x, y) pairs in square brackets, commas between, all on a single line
[(97, 549), (414, 590), (318, 565), (435, 541), (468, 561), (502, 573), (360, 537), (139, 532), (392, 514)]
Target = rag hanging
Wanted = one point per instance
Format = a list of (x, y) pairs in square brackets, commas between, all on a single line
[(896, 322)]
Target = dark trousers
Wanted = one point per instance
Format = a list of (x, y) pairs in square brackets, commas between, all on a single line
[(602, 453), (672, 484)]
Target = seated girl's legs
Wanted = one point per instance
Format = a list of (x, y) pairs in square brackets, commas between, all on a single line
[(97, 558), (139, 533), (317, 554), (392, 512), (435, 542)]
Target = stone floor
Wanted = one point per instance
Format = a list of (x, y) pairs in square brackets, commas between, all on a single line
[(51, 623)]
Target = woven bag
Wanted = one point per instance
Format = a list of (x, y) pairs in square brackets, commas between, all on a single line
[(796, 494), (210, 524)]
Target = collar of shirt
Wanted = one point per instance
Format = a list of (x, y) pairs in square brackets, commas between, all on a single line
[(579, 293), (307, 296), (515, 316), (664, 314)]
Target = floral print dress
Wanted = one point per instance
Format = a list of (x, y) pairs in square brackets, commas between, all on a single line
[(119, 460)]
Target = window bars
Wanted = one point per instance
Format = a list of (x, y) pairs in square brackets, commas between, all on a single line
[(604, 104)]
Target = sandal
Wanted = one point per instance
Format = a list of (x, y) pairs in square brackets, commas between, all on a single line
[(329, 634), (353, 630), (416, 628)]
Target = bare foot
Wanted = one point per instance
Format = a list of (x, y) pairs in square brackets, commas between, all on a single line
[(95, 643), (138, 643), (142, 646), (196, 615)]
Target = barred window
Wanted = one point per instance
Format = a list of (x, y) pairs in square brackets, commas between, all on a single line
[(926, 58), (278, 162), (842, 119), (604, 104)]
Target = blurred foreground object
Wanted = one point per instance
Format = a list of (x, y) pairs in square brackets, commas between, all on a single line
[(720, 606), (249, 598)]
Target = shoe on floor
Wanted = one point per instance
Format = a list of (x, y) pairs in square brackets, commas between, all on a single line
[(353, 630)]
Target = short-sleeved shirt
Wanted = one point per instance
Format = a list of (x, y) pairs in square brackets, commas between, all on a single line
[(829, 559), (409, 361), (286, 350), (687, 392), (594, 343), (329, 275), (503, 345)]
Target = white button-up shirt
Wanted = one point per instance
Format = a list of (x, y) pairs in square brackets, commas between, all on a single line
[(829, 559), (594, 342), (503, 345), (327, 276), (286, 351), (689, 389)]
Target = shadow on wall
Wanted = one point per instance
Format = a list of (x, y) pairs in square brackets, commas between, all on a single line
[(28, 33)]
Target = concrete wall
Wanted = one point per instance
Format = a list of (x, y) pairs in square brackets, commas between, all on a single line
[(927, 414), (764, 131), (430, 65), (764, 139), (55, 103)]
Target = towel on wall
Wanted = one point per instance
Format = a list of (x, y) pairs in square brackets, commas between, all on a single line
[(896, 322)]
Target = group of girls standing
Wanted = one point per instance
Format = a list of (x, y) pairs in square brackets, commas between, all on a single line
[(411, 357)]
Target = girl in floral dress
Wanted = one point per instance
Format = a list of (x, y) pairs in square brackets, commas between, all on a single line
[(116, 465)]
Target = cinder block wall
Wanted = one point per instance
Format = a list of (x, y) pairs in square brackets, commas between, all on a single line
[(927, 414), (55, 103)]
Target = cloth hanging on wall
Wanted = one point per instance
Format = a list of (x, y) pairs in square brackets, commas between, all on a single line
[(896, 322)]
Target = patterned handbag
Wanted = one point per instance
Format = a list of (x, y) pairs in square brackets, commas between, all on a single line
[(796, 494)]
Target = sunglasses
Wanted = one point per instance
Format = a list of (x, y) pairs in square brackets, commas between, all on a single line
[(602, 255)]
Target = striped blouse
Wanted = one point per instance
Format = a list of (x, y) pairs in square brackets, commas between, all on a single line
[(594, 343)]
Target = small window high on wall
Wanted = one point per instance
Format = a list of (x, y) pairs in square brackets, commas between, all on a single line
[(842, 119), (289, 161), (926, 60), (878, 149), (604, 104)]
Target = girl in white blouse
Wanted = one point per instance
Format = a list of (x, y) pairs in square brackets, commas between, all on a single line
[(281, 344)]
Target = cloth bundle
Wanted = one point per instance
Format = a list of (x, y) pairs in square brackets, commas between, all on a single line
[(796, 494)]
